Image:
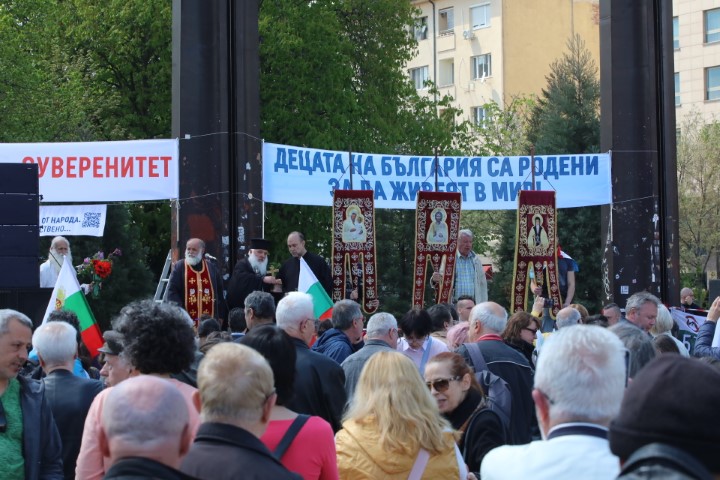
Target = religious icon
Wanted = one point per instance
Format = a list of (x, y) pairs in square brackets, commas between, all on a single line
[(438, 229), (353, 227), (538, 236)]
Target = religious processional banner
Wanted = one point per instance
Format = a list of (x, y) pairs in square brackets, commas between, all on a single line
[(353, 257), (101, 171), (536, 249), (437, 222), (72, 220), (308, 176)]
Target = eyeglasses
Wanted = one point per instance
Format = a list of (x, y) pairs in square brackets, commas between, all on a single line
[(533, 330), (441, 384)]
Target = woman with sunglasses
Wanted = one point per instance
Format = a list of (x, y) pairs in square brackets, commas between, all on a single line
[(520, 333), (462, 402), (392, 429)]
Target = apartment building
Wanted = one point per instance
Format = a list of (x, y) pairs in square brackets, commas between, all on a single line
[(696, 40), (484, 50)]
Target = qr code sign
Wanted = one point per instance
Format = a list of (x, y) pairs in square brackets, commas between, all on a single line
[(91, 220)]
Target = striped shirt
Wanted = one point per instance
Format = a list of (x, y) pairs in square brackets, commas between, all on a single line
[(465, 276)]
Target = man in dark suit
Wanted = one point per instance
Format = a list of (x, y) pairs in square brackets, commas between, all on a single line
[(319, 380), (290, 270), (69, 396), (196, 283)]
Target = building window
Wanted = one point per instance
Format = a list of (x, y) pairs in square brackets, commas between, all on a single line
[(481, 66), (677, 89), (676, 33), (712, 25), (419, 77), (446, 22), (478, 116), (420, 30), (712, 82), (480, 16), (446, 72)]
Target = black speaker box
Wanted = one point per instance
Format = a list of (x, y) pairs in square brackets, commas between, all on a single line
[(19, 178), (19, 209), (32, 302), (20, 272), (19, 241)]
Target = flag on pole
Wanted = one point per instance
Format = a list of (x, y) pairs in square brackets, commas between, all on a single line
[(67, 294), (308, 283)]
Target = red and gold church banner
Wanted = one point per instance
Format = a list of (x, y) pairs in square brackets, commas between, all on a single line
[(353, 258), (535, 249), (437, 223)]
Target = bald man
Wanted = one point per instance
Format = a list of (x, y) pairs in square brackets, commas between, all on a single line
[(290, 270)]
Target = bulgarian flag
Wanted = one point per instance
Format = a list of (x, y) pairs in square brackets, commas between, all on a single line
[(67, 294), (308, 283)]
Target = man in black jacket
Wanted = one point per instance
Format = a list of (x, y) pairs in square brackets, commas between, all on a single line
[(69, 396), (250, 274), (319, 380), (290, 270)]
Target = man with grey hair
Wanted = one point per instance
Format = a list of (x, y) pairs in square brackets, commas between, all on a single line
[(50, 269), (579, 385), (567, 317), (612, 312), (236, 395), (470, 277), (69, 396), (29, 440), (382, 335), (319, 380), (487, 322), (145, 429), (259, 309), (639, 345), (641, 310), (345, 337)]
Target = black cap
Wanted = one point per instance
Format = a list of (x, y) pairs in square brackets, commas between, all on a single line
[(113, 343), (259, 244)]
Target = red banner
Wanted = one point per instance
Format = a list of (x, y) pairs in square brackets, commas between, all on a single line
[(353, 259), (437, 222), (536, 250)]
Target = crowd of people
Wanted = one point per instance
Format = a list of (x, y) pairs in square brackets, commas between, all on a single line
[(460, 390)]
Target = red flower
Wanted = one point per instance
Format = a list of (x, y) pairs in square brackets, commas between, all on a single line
[(103, 268)]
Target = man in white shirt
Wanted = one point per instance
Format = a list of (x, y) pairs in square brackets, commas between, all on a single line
[(579, 385), (50, 269)]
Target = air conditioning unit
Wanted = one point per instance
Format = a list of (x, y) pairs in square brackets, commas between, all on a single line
[(468, 34)]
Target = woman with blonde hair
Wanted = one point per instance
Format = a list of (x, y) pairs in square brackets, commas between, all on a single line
[(663, 326), (393, 430)]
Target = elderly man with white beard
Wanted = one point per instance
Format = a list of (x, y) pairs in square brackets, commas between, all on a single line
[(50, 269), (250, 274), (196, 284)]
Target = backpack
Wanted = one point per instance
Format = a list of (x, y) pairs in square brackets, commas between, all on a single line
[(499, 397)]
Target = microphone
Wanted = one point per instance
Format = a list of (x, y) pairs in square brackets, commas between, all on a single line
[(210, 257)]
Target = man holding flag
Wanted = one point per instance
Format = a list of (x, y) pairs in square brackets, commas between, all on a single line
[(291, 271)]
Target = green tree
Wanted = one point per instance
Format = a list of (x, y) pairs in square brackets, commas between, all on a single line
[(565, 120), (698, 159)]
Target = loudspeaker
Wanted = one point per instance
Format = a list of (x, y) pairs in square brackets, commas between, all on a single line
[(19, 209), (32, 302), (20, 272), (19, 178), (713, 291), (19, 241)]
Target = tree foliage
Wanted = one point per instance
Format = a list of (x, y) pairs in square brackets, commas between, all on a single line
[(698, 159)]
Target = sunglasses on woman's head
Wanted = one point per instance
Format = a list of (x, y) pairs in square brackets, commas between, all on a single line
[(441, 384)]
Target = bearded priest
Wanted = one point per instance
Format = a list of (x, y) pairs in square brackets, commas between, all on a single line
[(196, 283), (251, 274), (50, 269)]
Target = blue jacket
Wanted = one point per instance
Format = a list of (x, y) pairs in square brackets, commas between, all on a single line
[(704, 340), (334, 344), (42, 448)]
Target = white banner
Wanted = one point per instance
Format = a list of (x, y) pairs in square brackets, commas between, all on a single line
[(68, 220), (101, 171), (689, 325), (307, 176)]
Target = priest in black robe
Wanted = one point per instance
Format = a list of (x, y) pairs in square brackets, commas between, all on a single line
[(250, 274)]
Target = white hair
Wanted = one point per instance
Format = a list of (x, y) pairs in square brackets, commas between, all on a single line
[(465, 231), (56, 343), (581, 371), (567, 317), (293, 309), (59, 239), (492, 316), (379, 324), (663, 322), (144, 412)]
